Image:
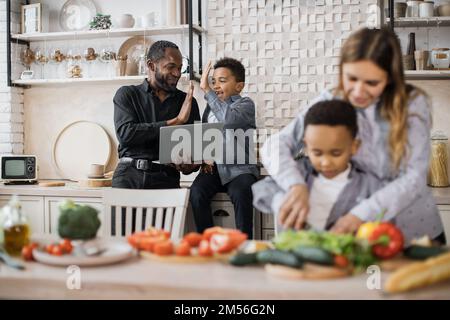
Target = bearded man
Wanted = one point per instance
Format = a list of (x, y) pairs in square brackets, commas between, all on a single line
[(140, 111)]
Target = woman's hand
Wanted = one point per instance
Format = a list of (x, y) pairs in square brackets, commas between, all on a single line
[(204, 82), (295, 208), (347, 224)]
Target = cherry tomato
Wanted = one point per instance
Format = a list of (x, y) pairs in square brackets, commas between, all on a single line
[(341, 261), (57, 251), (204, 249), (163, 248), (34, 245), (27, 253), (66, 246), (49, 248), (193, 238), (207, 233), (183, 249)]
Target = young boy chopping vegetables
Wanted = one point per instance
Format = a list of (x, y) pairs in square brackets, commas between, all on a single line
[(336, 183)]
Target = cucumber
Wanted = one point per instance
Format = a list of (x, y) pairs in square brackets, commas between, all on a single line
[(314, 254), (243, 259), (279, 257), (421, 253)]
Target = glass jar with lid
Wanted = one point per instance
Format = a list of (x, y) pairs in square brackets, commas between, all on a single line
[(438, 170)]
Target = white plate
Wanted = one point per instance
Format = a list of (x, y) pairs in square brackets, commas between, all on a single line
[(116, 251), (79, 145)]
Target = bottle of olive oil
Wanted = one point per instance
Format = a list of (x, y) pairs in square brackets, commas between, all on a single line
[(16, 230)]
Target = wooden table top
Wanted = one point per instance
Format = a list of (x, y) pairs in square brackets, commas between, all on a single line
[(140, 278)]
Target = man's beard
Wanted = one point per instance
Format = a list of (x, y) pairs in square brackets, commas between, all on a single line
[(162, 83)]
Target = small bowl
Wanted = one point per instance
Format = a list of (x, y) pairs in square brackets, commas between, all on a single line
[(444, 10)]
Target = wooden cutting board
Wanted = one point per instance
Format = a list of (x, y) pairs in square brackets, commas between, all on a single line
[(95, 183), (309, 271), (188, 259)]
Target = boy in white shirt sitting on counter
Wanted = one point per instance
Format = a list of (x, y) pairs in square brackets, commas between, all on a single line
[(335, 182)]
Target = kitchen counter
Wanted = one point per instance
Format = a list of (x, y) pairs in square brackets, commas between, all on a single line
[(140, 278), (71, 189), (441, 195)]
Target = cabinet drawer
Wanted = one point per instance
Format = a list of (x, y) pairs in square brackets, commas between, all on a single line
[(444, 212), (33, 208), (223, 214), (267, 234), (267, 220), (52, 210)]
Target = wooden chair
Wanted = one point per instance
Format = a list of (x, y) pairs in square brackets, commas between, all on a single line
[(129, 210)]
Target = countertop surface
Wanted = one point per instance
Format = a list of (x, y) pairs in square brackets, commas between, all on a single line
[(441, 195), (71, 189), (139, 278)]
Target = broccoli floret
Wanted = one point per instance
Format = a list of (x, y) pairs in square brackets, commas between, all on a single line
[(77, 222)]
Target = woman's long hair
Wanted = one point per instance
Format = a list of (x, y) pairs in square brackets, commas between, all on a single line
[(382, 47)]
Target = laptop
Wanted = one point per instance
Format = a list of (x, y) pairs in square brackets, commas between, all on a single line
[(190, 143)]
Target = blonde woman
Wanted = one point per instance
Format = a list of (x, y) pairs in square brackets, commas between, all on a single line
[(394, 126)]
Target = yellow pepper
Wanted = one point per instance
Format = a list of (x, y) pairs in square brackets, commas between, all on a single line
[(366, 229)]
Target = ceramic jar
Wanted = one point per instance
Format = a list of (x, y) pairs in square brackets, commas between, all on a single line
[(440, 58), (125, 21)]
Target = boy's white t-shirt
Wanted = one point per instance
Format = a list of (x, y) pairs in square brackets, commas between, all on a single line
[(323, 195)]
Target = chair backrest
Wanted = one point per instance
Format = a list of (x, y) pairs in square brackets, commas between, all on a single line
[(131, 210)]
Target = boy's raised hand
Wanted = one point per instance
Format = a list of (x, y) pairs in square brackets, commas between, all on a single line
[(204, 81)]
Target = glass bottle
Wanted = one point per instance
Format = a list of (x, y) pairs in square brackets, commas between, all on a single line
[(15, 227), (438, 173), (142, 65), (412, 48)]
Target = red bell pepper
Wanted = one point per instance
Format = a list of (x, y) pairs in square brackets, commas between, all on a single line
[(387, 240)]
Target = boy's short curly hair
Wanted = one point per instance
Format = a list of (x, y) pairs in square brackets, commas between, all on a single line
[(333, 113), (157, 50), (235, 66)]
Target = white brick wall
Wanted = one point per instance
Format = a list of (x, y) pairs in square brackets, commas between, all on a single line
[(290, 48), (11, 99)]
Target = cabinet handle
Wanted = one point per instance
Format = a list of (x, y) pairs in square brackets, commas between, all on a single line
[(221, 213)]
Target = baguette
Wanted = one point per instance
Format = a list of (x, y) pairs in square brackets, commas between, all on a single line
[(420, 274)]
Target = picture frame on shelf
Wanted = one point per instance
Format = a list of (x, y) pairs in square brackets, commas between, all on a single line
[(31, 18)]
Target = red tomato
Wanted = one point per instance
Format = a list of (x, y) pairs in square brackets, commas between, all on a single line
[(207, 233), (183, 249), (49, 248), (163, 248), (341, 261), (27, 253), (34, 245), (66, 246), (148, 243), (204, 249), (193, 238), (57, 251), (221, 243)]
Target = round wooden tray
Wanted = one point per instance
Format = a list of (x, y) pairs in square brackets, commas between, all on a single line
[(79, 145), (131, 48), (188, 259)]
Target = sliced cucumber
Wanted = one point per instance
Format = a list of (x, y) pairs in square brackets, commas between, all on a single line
[(421, 253), (279, 257), (314, 254), (243, 259)]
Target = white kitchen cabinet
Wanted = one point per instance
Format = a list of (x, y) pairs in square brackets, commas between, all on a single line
[(444, 211), (33, 208), (52, 211)]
